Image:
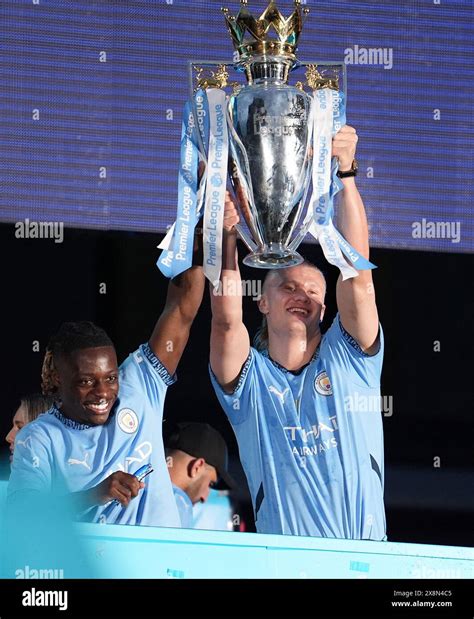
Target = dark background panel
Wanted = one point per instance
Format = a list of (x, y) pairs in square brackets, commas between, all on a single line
[(422, 298)]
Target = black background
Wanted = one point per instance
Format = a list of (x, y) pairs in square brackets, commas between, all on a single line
[(321, 598)]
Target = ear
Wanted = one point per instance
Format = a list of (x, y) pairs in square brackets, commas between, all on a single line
[(195, 466), (321, 316), (263, 304)]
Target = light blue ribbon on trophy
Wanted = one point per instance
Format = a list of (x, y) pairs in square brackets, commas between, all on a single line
[(217, 160), (329, 117), (204, 118), (177, 255), (201, 112)]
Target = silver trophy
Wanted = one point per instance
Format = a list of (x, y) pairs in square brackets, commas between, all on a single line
[(270, 130), (271, 133)]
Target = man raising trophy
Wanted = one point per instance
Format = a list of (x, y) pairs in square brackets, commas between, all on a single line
[(313, 460)]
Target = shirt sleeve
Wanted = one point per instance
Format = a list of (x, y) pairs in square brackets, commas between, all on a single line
[(241, 408), (32, 466), (238, 404), (144, 373), (339, 344)]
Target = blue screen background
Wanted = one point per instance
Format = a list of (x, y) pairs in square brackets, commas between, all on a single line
[(95, 143)]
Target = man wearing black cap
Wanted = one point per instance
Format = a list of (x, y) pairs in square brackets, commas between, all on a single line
[(197, 461)]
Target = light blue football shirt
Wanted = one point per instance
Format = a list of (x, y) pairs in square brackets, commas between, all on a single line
[(56, 454), (311, 443), (185, 507), (216, 514)]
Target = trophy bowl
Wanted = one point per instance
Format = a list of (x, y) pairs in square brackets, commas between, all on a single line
[(270, 156)]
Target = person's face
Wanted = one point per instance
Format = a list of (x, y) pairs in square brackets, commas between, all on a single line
[(203, 477), (88, 384), (293, 301), (20, 419)]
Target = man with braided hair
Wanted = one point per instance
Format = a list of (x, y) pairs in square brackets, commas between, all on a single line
[(107, 421)]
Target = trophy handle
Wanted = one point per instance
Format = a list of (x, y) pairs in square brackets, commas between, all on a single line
[(303, 231), (246, 238)]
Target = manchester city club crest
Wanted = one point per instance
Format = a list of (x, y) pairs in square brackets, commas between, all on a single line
[(127, 420), (322, 383)]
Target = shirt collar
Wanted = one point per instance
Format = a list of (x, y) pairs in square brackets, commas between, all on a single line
[(294, 372), (75, 425)]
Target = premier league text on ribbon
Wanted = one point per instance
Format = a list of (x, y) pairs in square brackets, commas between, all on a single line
[(217, 176), (324, 156), (201, 117), (188, 198), (322, 159), (178, 247)]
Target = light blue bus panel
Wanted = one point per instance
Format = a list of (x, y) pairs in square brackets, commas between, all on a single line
[(148, 552), (119, 551)]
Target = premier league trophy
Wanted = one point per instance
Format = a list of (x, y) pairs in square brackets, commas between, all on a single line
[(270, 152), (277, 141)]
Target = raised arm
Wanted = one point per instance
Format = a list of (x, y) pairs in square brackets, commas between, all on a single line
[(230, 343), (355, 296), (171, 332)]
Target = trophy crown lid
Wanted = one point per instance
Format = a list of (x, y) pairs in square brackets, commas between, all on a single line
[(270, 34)]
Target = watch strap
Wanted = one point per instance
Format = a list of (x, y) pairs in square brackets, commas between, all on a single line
[(352, 172)]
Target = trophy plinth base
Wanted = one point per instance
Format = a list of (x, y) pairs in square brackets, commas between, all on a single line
[(277, 257)]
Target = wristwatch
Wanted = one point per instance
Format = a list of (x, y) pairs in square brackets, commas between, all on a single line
[(352, 172)]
